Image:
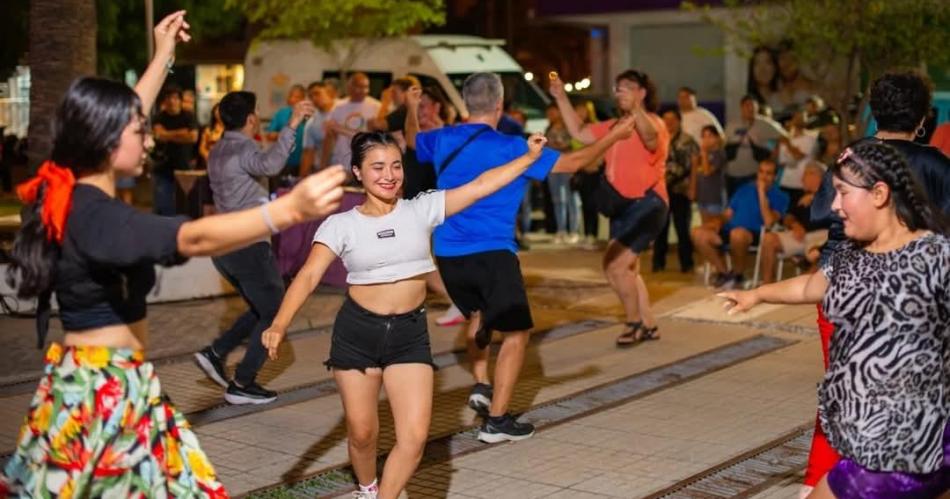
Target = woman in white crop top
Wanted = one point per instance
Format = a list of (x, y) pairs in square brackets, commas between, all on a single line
[(380, 335)]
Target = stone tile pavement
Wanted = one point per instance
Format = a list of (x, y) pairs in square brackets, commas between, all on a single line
[(626, 451)]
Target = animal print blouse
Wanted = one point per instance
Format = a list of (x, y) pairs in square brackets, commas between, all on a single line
[(885, 399)]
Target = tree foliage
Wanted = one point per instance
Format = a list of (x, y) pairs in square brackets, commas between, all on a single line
[(121, 39), (866, 36), (339, 25), (13, 36)]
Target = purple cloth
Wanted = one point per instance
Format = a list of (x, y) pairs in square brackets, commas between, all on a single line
[(292, 246), (850, 480)]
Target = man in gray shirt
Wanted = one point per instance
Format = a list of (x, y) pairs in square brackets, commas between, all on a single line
[(236, 166), (749, 141)]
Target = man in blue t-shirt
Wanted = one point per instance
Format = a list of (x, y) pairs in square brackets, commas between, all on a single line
[(756, 204), (475, 249), (280, 120)]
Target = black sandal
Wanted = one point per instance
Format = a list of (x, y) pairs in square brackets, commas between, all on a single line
[(629, 337), (648, 333)]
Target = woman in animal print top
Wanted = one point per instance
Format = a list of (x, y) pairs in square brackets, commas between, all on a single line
[(885, 399)]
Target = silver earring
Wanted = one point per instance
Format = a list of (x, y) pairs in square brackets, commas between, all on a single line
[(920, 132)]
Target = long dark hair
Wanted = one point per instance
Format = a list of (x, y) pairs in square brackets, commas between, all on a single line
[(87, 128), (363, 142), (751, 86), (869, 161)]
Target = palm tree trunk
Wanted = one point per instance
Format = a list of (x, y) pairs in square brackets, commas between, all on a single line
[(62, 47)]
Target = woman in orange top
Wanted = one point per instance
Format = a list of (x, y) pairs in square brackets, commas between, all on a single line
[(635, 171)]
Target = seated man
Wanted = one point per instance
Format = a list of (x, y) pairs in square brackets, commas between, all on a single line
[(801, 236), (756, 204)]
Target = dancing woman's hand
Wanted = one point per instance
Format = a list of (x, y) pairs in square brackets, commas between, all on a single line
[(271, 339), (318, 195), (171, 30), (739, 301), (536, 144)]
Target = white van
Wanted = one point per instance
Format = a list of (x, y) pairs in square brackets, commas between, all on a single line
[(271, 67)]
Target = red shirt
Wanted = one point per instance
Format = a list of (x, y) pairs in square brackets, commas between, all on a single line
[(631, 168)]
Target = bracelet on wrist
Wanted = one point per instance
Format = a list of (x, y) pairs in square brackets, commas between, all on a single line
[(268, 220)]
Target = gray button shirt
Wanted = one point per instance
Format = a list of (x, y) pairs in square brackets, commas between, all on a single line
[(236, 165)]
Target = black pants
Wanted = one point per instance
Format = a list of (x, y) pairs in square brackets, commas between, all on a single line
[(680, 215), (587, 188), (253, 272)]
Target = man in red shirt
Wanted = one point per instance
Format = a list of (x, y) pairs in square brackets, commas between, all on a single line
[(635, 171)]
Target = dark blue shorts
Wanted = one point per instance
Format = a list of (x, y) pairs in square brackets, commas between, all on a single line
[(640, 223)]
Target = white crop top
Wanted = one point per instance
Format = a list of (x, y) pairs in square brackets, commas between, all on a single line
[(389, 248)]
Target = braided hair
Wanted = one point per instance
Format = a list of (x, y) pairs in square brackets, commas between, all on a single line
[(867, 162)]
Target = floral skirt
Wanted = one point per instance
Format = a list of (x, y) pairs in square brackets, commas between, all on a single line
[(98, 426)]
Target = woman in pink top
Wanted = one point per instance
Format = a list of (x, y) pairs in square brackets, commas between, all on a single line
[(635, 170)]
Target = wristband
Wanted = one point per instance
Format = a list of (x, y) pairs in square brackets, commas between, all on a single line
[(268, 220), (169, 64)]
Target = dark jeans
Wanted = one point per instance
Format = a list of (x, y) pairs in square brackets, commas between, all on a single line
[(680, 215), (587, 188), (163, 193), (253, 272)]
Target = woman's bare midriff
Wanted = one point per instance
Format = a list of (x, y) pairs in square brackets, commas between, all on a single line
[(134, 336), (390, 298)]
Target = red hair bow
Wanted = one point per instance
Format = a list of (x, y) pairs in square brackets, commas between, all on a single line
[(57, 200)]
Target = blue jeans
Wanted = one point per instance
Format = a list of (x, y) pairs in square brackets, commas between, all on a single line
[(565, 209), (163, 193), (253, 272)]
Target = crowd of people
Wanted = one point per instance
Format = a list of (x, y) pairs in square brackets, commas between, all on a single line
[(440, 213)]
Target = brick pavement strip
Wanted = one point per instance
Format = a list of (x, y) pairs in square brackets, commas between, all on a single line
[(338, 479)]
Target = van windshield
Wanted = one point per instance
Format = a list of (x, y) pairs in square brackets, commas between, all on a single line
[(523, 94)]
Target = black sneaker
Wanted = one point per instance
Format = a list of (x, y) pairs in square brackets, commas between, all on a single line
[(504, 428), (480, 399), (213, 367), (483, 337), (250, 394)]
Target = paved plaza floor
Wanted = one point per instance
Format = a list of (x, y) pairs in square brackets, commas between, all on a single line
[(719, 407)]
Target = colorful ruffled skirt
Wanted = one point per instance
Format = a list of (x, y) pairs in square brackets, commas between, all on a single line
[(99, 426)]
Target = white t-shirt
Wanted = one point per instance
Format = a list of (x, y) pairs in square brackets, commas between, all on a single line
[(388, 248), (354, 116), (793, 170), (695, 120)]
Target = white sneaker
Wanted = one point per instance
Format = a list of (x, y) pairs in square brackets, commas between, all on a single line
[(573, 238), (559, 238), (360, 494), (452, 317)]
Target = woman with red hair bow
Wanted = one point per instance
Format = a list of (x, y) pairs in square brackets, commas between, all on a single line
[(98, 424)]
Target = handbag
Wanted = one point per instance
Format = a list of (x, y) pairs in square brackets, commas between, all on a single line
[(609, 201)]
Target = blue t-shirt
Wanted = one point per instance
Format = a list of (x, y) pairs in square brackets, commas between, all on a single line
[(280, 120), (489, 223), (745, 206)]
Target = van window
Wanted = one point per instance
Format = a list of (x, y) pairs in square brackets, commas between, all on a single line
[(377, 80), (524, 95)]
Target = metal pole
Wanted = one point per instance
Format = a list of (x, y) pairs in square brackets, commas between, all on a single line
[(149, 24)]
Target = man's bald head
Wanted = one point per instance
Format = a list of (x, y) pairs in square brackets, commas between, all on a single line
[(357, 86)]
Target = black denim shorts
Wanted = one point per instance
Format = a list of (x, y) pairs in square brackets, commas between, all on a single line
[(640, 223), (363, 339)]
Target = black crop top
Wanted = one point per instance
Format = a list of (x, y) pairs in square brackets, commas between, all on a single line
[(106, 266)]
